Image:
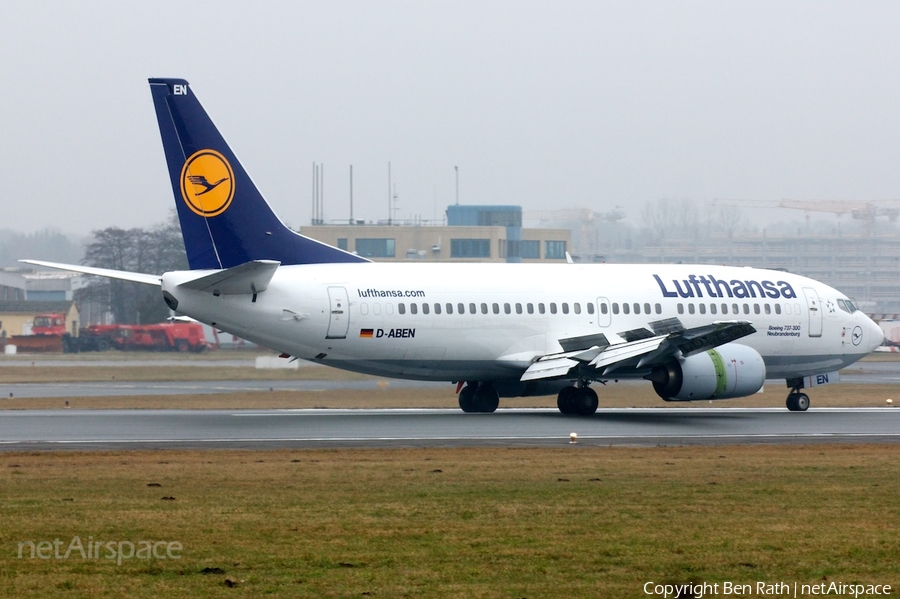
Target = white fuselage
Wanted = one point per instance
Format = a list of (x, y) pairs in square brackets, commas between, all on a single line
[(455, 322)]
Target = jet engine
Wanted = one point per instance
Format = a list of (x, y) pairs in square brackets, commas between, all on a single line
[(730, 370)]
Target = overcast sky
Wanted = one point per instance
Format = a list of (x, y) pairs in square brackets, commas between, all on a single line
[(542, 104)]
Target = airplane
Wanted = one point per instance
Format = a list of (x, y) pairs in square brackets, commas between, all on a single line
[(695, 332)]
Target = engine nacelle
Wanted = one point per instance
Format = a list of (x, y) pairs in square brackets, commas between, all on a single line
[(730, 370)]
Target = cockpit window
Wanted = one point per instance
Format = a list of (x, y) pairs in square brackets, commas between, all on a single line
[(847, 306)]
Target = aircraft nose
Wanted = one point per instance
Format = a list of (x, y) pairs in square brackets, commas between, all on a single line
[(873, 335)]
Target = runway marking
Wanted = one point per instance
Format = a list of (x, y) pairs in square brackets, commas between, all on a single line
[(561, 439)]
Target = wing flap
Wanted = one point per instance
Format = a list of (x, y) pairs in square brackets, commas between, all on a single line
[(640, 353)]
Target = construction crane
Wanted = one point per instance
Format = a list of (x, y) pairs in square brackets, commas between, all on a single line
[(865, 210)]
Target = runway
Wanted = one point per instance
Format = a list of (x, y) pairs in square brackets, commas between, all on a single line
[(263, 429)]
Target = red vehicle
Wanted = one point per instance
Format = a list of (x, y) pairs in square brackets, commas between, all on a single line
[(168, 336), (49, 324)]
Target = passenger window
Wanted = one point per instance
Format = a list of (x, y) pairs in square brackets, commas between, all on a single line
[(437, 308), (746, 308), (637, 308), (565, 308), (496, 308), (615, 308), (724, 308), (681, 308), (472, 309), (712, 308), (690, 308), (425, 309), (401, 308), (756, 308), (507, 309), (530, 308), (590, 307), (389, 308), (364, 308), (658, 309), (577, 307), (734, 309), (461, 308), (777, 308), (552, 307), (449, 308), (483, 308), (541, 308), (767, 308), (518, 308), (413, 309), (376, 308), (702, 308), (646, 308), (626, 309)]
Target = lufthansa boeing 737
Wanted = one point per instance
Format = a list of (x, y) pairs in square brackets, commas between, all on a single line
[(496, 330)]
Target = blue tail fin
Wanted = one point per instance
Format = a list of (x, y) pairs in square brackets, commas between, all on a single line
[(224, 219)]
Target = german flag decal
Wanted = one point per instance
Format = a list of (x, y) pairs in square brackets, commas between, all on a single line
[(366, 333)]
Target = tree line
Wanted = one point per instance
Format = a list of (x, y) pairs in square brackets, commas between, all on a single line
[(154, 251)]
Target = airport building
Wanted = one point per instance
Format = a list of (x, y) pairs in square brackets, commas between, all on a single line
[(862, 261), (471, 234)]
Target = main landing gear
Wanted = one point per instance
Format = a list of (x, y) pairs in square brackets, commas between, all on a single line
[(478, 397), (580, 400)]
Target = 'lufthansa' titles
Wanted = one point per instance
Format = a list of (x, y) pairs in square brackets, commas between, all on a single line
[(695, 286)]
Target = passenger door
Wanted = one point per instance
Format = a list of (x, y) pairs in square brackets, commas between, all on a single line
[(815, 311), (339, 323)]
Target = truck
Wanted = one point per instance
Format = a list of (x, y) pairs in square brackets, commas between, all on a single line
[(166, 336)]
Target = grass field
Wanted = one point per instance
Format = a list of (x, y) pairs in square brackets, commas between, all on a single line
[(573, 521)]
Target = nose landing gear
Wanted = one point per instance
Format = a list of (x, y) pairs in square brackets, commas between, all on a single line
[(797, 402)]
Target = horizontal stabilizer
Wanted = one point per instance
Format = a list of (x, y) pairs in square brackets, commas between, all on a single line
[(122, 275), (250, 277)]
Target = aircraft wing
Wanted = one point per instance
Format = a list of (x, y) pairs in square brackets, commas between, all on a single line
[(642, 350), (135, 277)]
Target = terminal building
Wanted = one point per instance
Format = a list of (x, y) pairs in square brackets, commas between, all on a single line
[(471, 234)]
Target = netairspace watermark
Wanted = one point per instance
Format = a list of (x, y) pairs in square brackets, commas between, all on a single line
[(765, 589), (119, 551)]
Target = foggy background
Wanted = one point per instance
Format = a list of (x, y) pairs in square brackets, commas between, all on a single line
[(545, 105)]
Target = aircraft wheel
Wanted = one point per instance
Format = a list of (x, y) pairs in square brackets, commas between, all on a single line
[(467, 399), (797, 402), (791, 402), (564, 400), (585, 402), (486, 399)]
